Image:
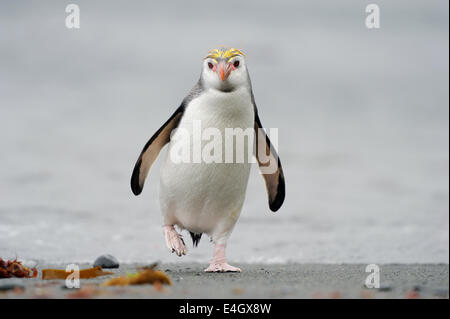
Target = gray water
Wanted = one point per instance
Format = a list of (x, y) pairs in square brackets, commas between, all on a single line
[(362, 117)]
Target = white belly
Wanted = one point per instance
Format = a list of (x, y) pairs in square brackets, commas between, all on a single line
[(207, 197)]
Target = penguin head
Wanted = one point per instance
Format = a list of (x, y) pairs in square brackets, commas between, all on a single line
[(224, 69)]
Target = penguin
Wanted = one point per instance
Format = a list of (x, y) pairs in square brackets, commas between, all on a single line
[(207, 197)]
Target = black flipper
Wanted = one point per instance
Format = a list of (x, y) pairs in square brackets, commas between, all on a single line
[(152, 149), (275, 179)]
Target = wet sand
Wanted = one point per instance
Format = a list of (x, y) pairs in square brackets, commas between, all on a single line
[(256, 281)]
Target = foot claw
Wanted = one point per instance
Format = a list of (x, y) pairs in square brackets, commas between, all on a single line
[(174, 241), (222, 267)]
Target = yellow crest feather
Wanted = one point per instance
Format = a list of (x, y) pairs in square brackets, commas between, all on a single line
[(224, 53)]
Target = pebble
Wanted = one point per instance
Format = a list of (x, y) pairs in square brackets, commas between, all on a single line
[(106, 261), (385, 287)]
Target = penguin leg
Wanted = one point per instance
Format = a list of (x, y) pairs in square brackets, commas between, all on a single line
[(218, 262), (174, 241)]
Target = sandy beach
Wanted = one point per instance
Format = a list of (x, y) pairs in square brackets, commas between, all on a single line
[(256, 281)]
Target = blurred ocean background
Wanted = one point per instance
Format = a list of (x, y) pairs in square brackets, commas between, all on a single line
[(363, 118)]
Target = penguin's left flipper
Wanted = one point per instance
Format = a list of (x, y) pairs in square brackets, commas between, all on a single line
[(270, 166), (152, 149)]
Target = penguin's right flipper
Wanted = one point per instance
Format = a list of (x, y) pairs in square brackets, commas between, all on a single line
[(152, 149)]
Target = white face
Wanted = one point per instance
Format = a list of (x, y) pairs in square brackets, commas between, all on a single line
[(225, 75)]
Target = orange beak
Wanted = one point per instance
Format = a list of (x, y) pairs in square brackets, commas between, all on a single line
[(223, 70)]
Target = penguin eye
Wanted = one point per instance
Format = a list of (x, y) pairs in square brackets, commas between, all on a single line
[(210, 65), (236, 63)]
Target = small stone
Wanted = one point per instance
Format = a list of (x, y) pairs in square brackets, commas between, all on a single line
[(11, 284), (106, 261), (385, 287)]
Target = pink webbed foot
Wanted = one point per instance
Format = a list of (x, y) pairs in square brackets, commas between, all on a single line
[(218, 262), (222, 267), (174, 241)]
